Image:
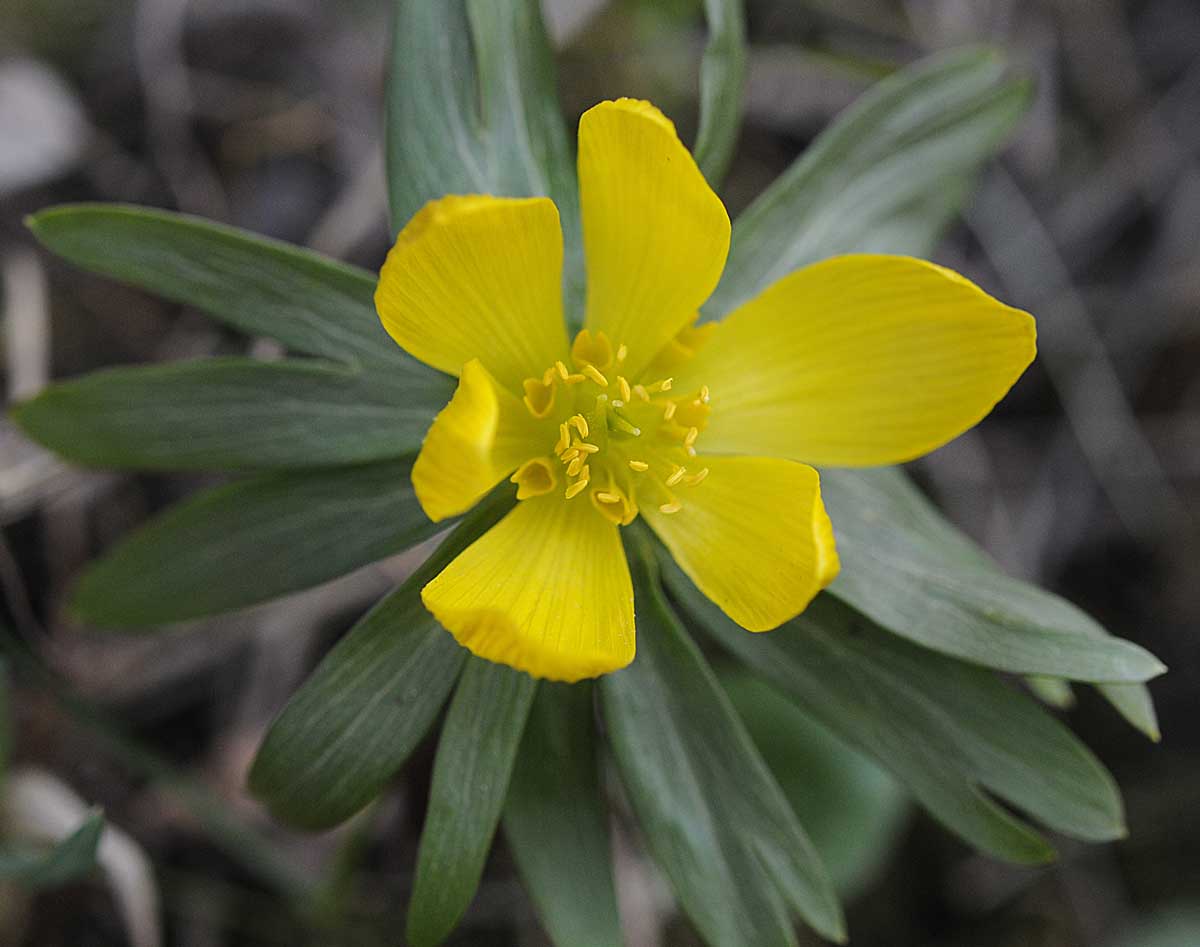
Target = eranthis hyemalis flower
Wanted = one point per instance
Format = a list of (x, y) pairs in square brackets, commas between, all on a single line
[(707, 431)]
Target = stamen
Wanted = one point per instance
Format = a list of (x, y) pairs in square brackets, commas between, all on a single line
[(678, 474), (690, 438), (673, 507), (622, 352), (697, 478), (562, 370), (664, 385), (670, 412), (564, 438), (594, 374), (626, 392), (576, 488), (618, 403), (641, 392), (586, 447), (604, 497), (581, 424), (575, 378), (569, 454), (575, 465), (704, 393), (639, 465)]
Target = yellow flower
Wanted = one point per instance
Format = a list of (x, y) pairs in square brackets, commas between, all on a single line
[(706, 431)]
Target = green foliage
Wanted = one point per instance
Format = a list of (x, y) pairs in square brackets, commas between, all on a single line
[(252, 540), (885, 177), (232, 414), (714, 818), (352, 725), (852, 809), (67, 861), (470, 780), (555, 820), (950, 732), (722, 80), (472, 109)]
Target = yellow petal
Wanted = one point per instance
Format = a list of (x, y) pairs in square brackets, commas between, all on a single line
[(655, 236), (546, 591), (753, 536), (478, 277), (858, 361), (479, 438)]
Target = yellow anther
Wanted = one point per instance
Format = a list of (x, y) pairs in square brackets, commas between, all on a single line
[(586, 447), (622, 352), (670, 411), (664, 385), (673, 507), (641, 392), (594, 374), (690, 438), (618, 403), (639, 465), (581, 424), (704, 393), (534, 478), (586, 473), (604, 497), (697, 478), (575, 465), (576, 488), (626, 391), (562, 370), (569, 454), (564, 438), (575, 378), (678, 474)]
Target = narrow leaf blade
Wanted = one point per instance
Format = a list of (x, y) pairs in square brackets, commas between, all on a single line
[(352, 725), (722, 79), (555, 820), (475, 758), (252, 540), (716, 822), (70, 859), (308, 302), (231, 414)]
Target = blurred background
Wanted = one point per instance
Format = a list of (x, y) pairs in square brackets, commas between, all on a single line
[(266, 114)]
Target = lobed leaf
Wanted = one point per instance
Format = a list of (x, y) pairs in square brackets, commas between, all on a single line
[(555, 820), (232, 414), (883, 177), (352, 725), (474, 762), (714, 818), (949, 731), (308, 302), (252, 540)]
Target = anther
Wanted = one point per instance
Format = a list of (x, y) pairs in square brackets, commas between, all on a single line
[(586, 447), (704, 393), (604, 497), (622, 352), (581, 424), (641, 392), (575, 465), (678, 474), (670, 412), (593, 373), (569, 454), (626, 392), (562, 370), (564, 438), (697, 478), (690, 438), (639, 465), (673, 507), (576, 488)]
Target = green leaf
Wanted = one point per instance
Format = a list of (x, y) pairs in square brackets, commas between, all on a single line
[(230, 414), (471, 772), (900, 151), (352, 725), (308, 302), (715, 820), (947, 730), (472, 109), (908, 569), (722, 78), (852, 808), (555, 820), (70, 859), (252, 540), (1133, 702)]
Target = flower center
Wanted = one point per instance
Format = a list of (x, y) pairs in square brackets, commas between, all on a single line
[(621, 442)]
